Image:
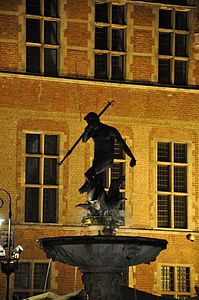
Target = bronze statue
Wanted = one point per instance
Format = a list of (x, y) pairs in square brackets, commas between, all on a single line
[(103, 137), (104, 207)]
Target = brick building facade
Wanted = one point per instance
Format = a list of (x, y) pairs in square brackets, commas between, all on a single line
[(61, 59)]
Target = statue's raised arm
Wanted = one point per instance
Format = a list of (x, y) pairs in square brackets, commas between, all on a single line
[(125, 147)]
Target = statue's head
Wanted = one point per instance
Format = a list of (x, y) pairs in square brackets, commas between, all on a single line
[(92, 118)]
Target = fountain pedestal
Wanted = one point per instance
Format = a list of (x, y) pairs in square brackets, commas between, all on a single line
[(102, 259), (102, 283)]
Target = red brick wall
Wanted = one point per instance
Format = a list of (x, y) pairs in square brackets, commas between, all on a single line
[(77, 44), (10, 5), (77, 34), (142, 15), (141, 113), (78, 9)]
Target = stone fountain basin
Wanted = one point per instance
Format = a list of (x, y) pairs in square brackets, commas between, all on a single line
[(115, 252)]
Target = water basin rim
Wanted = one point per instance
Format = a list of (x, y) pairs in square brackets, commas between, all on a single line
[(98, 239)]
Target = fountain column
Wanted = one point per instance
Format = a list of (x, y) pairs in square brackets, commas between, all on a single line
[(102, 283)]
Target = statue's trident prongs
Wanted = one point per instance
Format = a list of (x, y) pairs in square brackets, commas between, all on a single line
[(79, 139)]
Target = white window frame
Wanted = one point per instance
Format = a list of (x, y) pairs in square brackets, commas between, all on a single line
[(42, 18), (172, 193), (173, 31), (41, 185), (176, 293), (31, 290), (110, 27)]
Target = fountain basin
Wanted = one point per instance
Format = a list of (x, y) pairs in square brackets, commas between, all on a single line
[(88, 251), (102, 259)]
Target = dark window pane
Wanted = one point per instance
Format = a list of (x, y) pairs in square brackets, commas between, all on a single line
[(50, 33), (51, 8), (181, 20), (32, 143), (180, 179), (183, 279), (167, 278), (33, 59), (164, 152), (118, 14), (118, 150), (180, 153), (184, 297), (40, 271), (22, 276), (173, 2), (118, 40), (180, 212), (21, 295), (117, 171), (33, 30), (107, 182), (180, 72), (32, 205), (101, 12), (164, 71), (101, 66), (32, 170), (164, 18), (50, 144), (50, 206), (163, 178), (117, 68), (164, 211), (164, 43), (165, 297), (50, 61), (33, 7), (181, 45), (101, 38), (50, 171)]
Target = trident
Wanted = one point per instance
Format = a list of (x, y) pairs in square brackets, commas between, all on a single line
[(79, 139)]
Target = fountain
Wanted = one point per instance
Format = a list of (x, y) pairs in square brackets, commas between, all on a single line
[(102, 257)]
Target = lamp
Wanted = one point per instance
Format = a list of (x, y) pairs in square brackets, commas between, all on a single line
[(1, 220), (2, 252), (15, 253), (9, 262), (190, 237)]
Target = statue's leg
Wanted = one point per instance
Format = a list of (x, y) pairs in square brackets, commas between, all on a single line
[(102, 166), (89, 182), (94, 172)]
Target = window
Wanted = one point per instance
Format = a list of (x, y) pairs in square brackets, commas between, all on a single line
[(30, 279), (117, 170), (174, 36), (175, 282), (110, 31), (172, 191), (42, 24), (41, 178)]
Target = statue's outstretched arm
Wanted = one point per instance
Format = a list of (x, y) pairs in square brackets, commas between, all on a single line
[(125, 147)]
